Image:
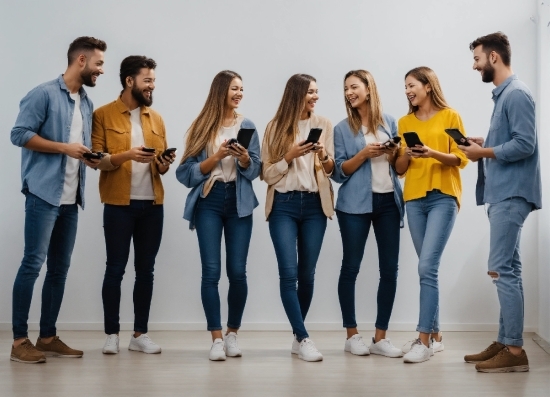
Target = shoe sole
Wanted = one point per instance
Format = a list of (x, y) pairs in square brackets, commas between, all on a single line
[(473, 362), (386, 355), (408, 361), (357, 354), (59, 355), (110, 351), (134, 349), (234, 355), (518, 368), (217, 359), (310, 360), (40, 361)]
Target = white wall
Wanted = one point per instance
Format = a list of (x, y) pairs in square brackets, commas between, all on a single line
[(266, 43)]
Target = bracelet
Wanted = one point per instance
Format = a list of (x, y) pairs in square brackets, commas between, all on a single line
[(325, 160)]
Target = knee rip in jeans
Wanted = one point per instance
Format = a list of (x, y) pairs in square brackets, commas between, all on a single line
[(494, 275)]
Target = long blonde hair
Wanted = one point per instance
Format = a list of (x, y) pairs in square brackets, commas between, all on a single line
[(374, 116), (282, 130), (427, 76), (205, 127)]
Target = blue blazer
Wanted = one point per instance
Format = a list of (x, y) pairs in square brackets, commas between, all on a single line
[(355, 194), (190, 175)]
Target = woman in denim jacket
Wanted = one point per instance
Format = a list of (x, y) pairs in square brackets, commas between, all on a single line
[(220, 174), (370, 194)]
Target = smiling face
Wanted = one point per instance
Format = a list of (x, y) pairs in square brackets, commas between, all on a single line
[(483, 65), (311, 98), (234, 94), (356, 91), (93, 68), (142, 86), (417, 93)]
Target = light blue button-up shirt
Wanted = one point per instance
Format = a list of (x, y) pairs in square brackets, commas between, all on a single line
[(47, 111), (515, 172)]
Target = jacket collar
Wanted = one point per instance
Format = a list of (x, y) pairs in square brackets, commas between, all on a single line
[(63, 86), (498, 90), (122, 108)]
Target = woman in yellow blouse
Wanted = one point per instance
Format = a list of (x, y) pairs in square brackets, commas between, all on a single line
[(432, 194)]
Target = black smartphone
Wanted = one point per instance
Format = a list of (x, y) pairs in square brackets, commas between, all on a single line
[(148, 149), (313, 136), (232, 141), (412, 139), (457, 136), (244, 136), (392, 142), (167, 154), (93, 156)]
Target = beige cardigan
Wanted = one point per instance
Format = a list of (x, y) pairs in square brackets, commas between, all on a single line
[(274, 172)]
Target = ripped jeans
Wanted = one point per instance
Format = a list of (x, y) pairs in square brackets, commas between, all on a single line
[(506, 220)]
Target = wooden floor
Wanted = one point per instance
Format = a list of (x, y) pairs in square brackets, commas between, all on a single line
[(266, 369)]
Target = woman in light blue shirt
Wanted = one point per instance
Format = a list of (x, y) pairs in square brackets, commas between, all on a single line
[(365, 153)]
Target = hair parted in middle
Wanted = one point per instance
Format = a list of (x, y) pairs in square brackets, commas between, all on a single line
[(282, 130), (205, 127), (375, 118), (428, 77)]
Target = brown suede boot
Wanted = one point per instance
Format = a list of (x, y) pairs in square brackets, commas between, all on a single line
[(486, 354), (505, 361), (27, 353), (56, 348)]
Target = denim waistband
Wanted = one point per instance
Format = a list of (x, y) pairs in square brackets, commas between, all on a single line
[(297, 192), (220, 184)]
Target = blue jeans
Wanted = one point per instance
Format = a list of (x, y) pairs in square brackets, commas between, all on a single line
[(217, 213), (50, 232), (141, 221), (431, 220), (297, 226), (506, 220), (354, 229)]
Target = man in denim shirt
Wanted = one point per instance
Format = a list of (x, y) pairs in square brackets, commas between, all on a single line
[(509, 181), (53, 129)]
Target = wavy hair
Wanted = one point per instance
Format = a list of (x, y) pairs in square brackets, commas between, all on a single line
[(374, 116), (427, 76)]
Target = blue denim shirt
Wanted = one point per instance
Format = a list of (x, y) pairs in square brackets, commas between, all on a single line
[(513, 136), (189, 173), (355, 194), (47, 111)]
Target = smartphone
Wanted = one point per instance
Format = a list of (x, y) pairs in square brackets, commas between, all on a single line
[(232, 141), (93, 156), (244, 136), (148, 149), (457, 136), (412, 139), (392, 142), (313, 137), (167, 154)]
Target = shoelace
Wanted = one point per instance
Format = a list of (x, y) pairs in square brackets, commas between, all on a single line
[(232, 341), (308, 345), (411, 343)]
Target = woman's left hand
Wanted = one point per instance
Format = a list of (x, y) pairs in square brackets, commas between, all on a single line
[(423, 152), (240, 153), (320, 150)]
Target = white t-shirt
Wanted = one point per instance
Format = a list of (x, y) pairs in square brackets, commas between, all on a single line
[(70, 185), (142, 182), (225, 170), (381, 178), (301, 172)]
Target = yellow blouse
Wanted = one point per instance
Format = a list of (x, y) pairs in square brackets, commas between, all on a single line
[(424, 175)]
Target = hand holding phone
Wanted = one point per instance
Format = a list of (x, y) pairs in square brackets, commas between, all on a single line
[(412, 139), (392, 142), (148, 149), (457, 136), (93, 155), (167, 155)]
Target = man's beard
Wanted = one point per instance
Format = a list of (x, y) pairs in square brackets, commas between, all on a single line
[(87, 77), (137, 94), (488, 73)]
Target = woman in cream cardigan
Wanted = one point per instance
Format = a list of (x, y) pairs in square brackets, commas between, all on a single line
[(299, 199)]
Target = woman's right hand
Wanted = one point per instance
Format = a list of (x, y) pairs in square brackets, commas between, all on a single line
[(138, 155), (222, 152), (298, 150), (373, 150)]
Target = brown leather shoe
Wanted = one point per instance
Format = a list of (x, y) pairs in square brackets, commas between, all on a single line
[(486, 354), (56, 348), (505, 361), (27, 353)]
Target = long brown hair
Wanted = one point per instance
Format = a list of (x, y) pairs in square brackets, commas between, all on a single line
[(427, 76), (282, 130), (204, 128), (374, 116)]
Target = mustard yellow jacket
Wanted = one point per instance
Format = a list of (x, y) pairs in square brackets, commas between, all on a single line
[(112, 134)]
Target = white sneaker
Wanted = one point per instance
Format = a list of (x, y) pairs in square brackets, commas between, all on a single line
[(295, 346), (111, 344), (437, 346), (308, 351), (418, 353), (217, 351), (356, 345), (385, 348), (232, 346), (143, 344)]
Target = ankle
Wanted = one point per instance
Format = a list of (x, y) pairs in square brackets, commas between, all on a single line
[(515, 350), (46, 340), (17, 342), (351, 332)]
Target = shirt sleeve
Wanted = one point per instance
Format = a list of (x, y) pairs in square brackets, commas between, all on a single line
[(33, 110)]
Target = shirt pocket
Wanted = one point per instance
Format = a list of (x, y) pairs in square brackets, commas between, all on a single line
[(157, 140), (117, 140)]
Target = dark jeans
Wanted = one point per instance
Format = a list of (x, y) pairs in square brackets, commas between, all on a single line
[(297, 226), (354, 229), (141, 221), (217, 213), (50, 232)]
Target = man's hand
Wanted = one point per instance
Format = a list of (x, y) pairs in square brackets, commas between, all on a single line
[(92, 163), (75, 150)]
